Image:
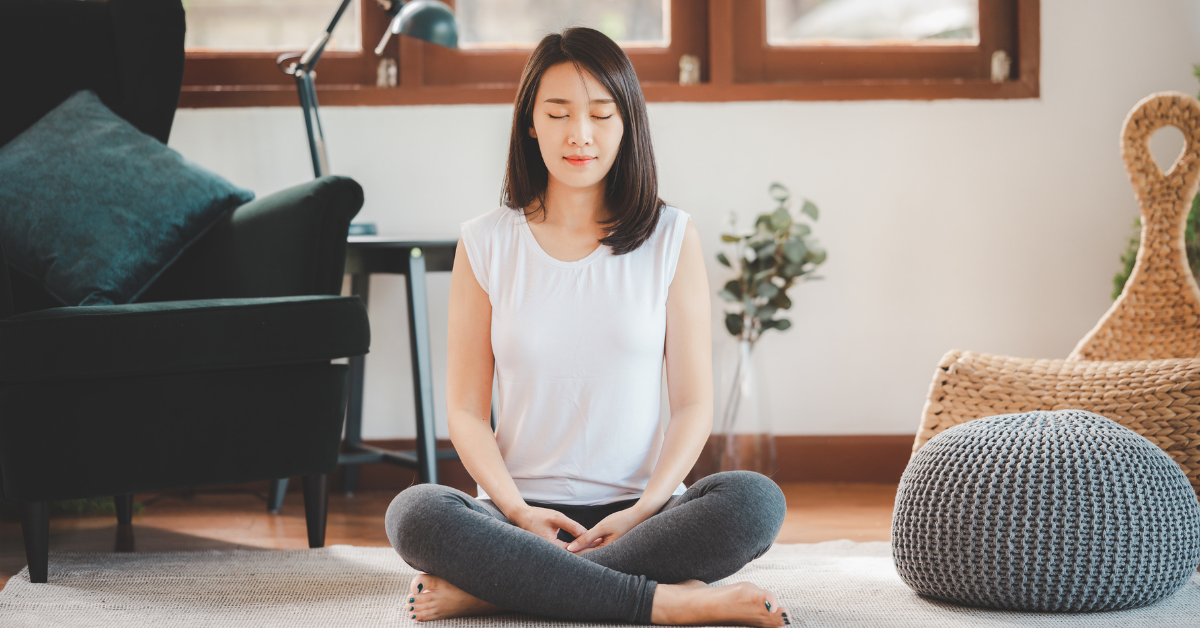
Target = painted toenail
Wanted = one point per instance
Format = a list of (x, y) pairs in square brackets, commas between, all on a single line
[(412, 608), (411, 600), (419, 587), (414, 616)]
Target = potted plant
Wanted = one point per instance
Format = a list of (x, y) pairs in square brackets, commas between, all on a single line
[(779, 253)]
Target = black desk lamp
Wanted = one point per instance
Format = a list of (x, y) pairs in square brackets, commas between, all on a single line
[(430, 20)]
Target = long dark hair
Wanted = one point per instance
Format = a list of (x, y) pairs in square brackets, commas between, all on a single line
[(631, 186)]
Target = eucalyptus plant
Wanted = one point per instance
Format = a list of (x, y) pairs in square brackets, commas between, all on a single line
[(780, 252)]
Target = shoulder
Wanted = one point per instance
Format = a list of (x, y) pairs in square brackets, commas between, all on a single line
[(486, 222), (672, 215), (673, 225), (485, 228)]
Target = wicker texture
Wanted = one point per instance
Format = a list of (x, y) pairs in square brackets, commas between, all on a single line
[(1137, 366), (1045, 511), (1159, 399), (1158, 313)]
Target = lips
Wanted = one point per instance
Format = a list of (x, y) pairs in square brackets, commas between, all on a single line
[(579, 160)]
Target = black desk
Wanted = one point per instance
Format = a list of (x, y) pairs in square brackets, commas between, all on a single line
[(412, 257)]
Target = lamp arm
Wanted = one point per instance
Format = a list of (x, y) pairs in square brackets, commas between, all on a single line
[(313, 54)]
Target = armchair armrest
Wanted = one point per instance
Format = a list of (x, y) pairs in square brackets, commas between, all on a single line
[(289, 243), (178, 336)]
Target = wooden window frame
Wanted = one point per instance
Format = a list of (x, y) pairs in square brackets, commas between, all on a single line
[(736, 65)]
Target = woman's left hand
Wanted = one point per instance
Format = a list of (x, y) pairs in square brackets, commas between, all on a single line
[(607, 531)]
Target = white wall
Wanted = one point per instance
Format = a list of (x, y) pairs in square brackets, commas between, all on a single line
[(994, 226)]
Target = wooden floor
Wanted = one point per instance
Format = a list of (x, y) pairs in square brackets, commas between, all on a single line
[(201, 521)]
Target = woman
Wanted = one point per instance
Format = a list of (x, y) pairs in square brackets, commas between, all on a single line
[(574, 291)]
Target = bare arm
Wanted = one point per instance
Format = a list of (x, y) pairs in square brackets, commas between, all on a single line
[(470, 366), (689, 375)]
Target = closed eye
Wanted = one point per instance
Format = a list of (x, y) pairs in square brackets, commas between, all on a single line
[(603, 117), (556, 117)]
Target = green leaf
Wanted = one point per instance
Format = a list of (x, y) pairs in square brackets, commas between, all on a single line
[(781, 220), (733, 322), (766, 289), (782, 324), (728, 296), (762, 224), (734, 287), (748, 306), (725, 237), (779, 192), (794, 250), (724, 260), (809, 209), (761, 275), (801, 229), (766, 249), (766, 312), (816, 256), (782, 301), (759, 239)]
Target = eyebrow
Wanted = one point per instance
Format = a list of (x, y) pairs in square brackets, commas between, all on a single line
[(564, 101)]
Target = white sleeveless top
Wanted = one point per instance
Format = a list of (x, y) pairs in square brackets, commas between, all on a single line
[(579, 350)]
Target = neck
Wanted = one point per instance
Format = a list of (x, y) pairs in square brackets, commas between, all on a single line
[(574, 208)]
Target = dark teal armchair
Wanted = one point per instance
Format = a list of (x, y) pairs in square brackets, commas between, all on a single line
[(221, 373)]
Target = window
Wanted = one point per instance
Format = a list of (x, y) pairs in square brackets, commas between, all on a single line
[(859, 22), (232, 47), (747, 49), (267, 25), (499, 24)]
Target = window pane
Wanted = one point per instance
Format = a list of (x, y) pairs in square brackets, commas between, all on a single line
[(269, 25), (858, 22), (522, 23)]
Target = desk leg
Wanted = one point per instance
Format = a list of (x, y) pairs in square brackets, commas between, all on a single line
[(360, 284), (418, 337)]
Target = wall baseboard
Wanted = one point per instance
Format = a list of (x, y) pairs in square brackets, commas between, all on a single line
[(850, 458)]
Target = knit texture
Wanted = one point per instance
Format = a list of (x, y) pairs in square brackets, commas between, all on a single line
[(1045, 511)]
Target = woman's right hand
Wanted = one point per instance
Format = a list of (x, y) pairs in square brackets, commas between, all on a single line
[(546, 523)]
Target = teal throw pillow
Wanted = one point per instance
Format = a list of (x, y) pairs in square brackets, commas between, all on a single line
[(95, 210)]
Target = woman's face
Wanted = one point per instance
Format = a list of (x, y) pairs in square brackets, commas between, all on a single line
[(576, 125)]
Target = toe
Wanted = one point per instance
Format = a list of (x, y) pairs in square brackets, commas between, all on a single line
[(771, 602), (417, 582)]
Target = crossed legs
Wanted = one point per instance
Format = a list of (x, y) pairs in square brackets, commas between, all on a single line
[(467, 546)]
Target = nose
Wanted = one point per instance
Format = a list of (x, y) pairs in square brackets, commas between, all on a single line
[(580, 133)]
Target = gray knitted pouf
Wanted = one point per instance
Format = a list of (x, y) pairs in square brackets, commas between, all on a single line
[(1045, 511)]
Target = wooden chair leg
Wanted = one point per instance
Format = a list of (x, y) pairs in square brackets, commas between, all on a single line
[(35, 527), (316, 505), (124, 505), (275, 495)]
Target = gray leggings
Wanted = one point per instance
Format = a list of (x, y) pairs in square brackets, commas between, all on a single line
[(721, 523)]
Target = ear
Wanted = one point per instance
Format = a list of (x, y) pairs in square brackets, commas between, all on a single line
[(533, 132)]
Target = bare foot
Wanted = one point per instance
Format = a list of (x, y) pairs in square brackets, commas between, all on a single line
[(740, 604), (430, 598)]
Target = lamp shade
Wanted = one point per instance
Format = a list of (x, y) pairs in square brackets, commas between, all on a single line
[(430, 20)]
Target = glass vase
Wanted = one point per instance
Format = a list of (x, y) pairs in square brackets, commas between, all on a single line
[(742, 435)]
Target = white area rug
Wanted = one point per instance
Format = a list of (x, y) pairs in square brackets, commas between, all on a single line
[(839, 583)]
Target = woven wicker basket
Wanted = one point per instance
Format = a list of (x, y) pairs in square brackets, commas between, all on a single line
[(1140, 365)]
